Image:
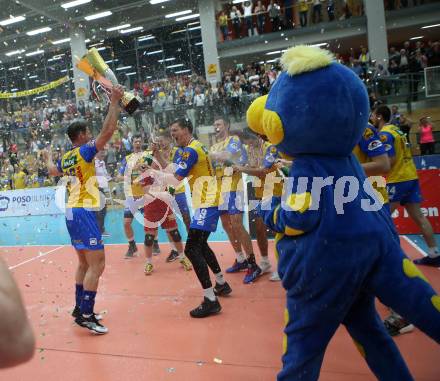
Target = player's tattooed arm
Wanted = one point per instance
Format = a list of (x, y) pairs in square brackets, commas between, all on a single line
[(111, 120), (52, 168)]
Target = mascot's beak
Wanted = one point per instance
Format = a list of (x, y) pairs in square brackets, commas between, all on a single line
[(265, 122), (254, 115), (273, 127)]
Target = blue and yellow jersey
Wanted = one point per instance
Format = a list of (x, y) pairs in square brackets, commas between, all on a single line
[(368, 147), (270, 154), (195, 164), (78, 162), (175, 154), (396, 145), (130, 164), (233, 145)]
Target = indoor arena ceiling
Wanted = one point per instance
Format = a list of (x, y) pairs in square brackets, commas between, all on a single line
[(28, 26)]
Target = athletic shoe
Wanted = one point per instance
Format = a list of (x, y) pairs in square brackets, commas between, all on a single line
[(237, 267), (132, 248), (222, 289), (397, 325), (148, 269), (186, 264), (253, 272), (173, 256), (156, 248), (265, 267), (428, 261), (91, 324), (77, 313), (207, 308), (275, 277)]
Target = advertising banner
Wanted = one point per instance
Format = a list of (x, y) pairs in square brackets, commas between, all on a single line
[(31, 202), (430, 186)]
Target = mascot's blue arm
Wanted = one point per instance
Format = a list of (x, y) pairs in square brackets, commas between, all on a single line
[(298, 213)]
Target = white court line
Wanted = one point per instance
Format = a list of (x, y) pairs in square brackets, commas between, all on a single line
[(34, 258), (415, 246)]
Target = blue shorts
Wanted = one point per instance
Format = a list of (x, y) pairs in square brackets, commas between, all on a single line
[(83, 229), (130, 206), (182, 203), (205, 219), (233, 203), (406, 192)]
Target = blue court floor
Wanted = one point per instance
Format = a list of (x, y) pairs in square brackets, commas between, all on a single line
[(51, 230)]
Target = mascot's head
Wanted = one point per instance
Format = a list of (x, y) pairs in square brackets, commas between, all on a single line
[(316, 106)]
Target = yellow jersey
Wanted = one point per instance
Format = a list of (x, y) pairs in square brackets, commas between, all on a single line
[(368, 147), (233, 145), (175, 154), (19, 180), (135, 189), (265, 157), (396, 145), (195, 164), (82, 186)]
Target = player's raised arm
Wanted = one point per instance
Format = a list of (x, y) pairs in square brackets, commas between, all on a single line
[(17, 341), (52, 168), (111, 120)]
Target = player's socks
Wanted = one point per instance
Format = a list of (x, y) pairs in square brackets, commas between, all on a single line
[(240, 257), (209, 293), (433, 252), (88, 302), (219, 278), (78, 294)]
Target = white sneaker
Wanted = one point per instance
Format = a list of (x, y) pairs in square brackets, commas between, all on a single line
[(275, 277), (265, 267)]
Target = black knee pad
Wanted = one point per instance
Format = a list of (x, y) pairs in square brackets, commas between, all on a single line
[(175, 235), (149, 240)]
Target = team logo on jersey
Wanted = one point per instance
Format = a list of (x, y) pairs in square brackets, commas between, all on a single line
[(374, 145), (383, 138), (368, 133), (273, 149), (183, 165), (388, 147), (270, 158), (93, 241), (185, 155)]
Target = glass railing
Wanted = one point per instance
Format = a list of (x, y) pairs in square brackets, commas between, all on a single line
[(399, 88), (155, 117), (233, 23)]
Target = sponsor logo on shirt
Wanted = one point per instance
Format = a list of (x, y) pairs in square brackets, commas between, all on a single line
[(374, 145)]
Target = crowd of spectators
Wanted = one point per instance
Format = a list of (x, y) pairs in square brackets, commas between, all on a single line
[(26, 130), (256, 17)]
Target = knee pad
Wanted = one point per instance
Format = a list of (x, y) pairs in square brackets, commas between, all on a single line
[(175, 235), (149, 240)]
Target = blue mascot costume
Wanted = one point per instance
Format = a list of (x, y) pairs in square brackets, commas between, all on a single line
[(337, 247)]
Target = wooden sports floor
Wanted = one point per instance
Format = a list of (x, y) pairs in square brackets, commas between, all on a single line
[(151, 336)]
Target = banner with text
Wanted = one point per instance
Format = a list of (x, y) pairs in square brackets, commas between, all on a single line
[(31, 202), (430, 185)]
